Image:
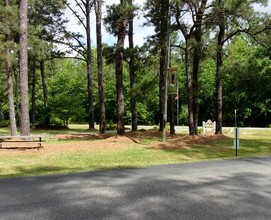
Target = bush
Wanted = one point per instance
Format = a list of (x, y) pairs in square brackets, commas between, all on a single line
[(4, 123), (200, 131), (155, 128), (110, 126)]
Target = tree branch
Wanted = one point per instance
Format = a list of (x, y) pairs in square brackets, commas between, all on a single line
[(77, 16)]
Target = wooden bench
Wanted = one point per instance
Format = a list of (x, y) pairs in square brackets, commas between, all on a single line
[(21, 142)]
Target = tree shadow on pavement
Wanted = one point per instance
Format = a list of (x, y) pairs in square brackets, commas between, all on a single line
[(187, 191)]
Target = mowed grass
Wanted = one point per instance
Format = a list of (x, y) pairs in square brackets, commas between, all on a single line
[(150, 151)]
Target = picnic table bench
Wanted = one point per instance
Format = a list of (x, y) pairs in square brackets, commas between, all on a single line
[(24, 142)]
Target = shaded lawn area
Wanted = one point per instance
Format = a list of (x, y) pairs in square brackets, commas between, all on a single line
[(89, 152)]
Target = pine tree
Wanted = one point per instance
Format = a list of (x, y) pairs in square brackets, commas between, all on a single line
[(25, 122), (158, 15), (236, 14), (192, 34), (8, 21), (132, 70), (117, 23), (84, 6), (98, 11)]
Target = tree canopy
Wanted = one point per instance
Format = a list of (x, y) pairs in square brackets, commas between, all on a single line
[(220, 50)]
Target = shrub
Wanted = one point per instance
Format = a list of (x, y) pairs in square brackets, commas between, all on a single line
[(4, 123)]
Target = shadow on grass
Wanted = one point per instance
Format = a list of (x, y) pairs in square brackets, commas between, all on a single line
[(212, 147), (255, 147), (182, 147), (146, 135), (181, 192), (78, 137), (35, 171), (53, 170), (186, 142)]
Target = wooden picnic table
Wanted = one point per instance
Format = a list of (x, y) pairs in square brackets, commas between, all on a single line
[(14, 142)]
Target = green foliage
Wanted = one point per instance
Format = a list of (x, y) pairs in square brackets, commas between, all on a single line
[(247, 84), (200, 131), (110, 125), (183, 116), (145, 115), (118, 14), (246, 72), (67, 94), (207, 89), (4, 123)]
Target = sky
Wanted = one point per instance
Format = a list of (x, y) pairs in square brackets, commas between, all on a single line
[(140, 32)]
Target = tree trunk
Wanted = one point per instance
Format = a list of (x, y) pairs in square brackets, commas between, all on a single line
[(45, 94), (119, 82), (89, 69), (119, 78), (196, 62), (219, 86), (1, 111), (98, 11), (132, 71), (195, 84), (162, 86), (33, 99), (163, 61), (12, 113), (25, 123), (190, 91), (171, 114), (17, 102)]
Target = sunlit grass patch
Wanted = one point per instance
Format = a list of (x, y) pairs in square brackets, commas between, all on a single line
[(91, 152)]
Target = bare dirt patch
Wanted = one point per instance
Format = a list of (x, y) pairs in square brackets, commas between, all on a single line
[(81, 136), (176, 142), (109, 142)]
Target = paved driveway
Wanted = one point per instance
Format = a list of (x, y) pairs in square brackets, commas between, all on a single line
[(233, 189)]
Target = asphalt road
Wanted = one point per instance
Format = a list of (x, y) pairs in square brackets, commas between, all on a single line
[(233, 189)]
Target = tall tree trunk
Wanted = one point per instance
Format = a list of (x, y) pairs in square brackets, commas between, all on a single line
[(89, 69), (25, 122), (17, 97), (98, 11), (162, 86), (45, 94), (33, 99), (163, 60), (1, 111), (190, 90), (196, 62), (219, 86), (132, 71), (195, 84), (12, 113), (188, 34), (119, 77), (171, 114)]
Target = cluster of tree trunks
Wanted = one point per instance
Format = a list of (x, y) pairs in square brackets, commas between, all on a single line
[(193, 34)]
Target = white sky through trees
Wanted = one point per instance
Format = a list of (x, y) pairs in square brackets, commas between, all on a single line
[(140, 32)]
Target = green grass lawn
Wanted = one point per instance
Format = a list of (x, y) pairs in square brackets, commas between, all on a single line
[(73, 128), (33, 162)]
